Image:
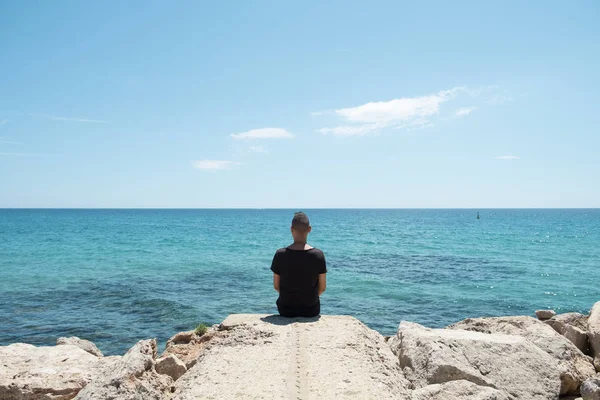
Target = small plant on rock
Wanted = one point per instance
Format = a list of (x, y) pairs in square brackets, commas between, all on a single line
[(201, 329)]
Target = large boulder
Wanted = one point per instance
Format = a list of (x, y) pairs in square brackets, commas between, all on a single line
[(83, 344), (272, 357), (130, 378), (573, 365), (572, 326), (28, 372), (505, 362), (575, 319), (590, 389), (578, 337), (459, 390), (594, 334)]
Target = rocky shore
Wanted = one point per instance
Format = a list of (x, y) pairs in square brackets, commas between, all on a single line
[(328, 357)]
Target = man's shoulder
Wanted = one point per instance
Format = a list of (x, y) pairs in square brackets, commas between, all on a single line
[(281, 251), (317, 252)]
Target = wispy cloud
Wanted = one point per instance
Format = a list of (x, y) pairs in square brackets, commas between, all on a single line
[(461, 112), (69, 119), (214, 165), (499, 99), (23, 154), (257, 149), (9, 141), (402, 112), (94, 121), (506, 158), (352, 130), (263, 133)]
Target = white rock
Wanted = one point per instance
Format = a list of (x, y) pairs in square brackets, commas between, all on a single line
[(271, 357), (187, 346), (578, 337), (573, 318), (83, 344), (459, 390), (131, 378), (28, 372), (171, 365), (590, 389), (544, 314), (574, 366), (506, 362), (594, 334)]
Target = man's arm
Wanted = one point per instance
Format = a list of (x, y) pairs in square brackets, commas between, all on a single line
[(276, 279), (322, 283)]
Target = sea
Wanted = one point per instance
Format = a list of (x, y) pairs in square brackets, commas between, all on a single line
[(116, 276)]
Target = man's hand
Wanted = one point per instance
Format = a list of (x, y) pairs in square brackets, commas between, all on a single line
[(276, 279)]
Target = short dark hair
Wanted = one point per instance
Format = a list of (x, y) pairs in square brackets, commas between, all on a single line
[(300, 221)]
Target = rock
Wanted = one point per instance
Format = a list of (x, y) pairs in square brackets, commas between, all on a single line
[(459, 390), (171, 365), (28, 372), (508, 363), (544, 314), (272, 357), (130, 378), (558, 326), (578, 337), (573, 318), (594, 334), (574, 366), (572, 326), (83, 344), (187, 346), (182, 338), (590, 389)]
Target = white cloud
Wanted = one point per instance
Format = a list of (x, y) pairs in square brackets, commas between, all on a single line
[(351, 130), (9, 141), (461, 112), (22, 154), (94, 121), (499, 99), (70, 119), (399, 113), (257, 149), (398, 110), (214, 165), (506, 158), (264, 133)]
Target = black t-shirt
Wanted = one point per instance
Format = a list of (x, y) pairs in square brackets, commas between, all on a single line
[(299, 281)]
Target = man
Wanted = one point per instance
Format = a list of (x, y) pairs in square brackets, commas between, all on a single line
[(299, 273)]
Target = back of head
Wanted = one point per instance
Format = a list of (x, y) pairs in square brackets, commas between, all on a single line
[(300, 222)]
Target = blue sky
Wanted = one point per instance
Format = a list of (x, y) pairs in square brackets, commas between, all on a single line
[(299, 104)]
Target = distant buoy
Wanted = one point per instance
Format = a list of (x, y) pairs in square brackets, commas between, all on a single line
[(477, 215)]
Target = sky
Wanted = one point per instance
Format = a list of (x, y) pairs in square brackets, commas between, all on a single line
[(311, 104)]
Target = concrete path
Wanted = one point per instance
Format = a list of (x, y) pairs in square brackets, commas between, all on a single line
[(270, 357)]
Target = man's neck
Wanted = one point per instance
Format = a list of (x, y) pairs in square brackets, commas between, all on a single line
[(300, 245)]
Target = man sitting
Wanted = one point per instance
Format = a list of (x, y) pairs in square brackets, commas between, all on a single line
[(299, 273)]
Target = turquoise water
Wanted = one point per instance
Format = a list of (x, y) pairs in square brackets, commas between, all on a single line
[(117, 276)]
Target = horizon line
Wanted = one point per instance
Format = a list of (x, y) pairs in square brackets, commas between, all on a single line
[(299, 208)]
